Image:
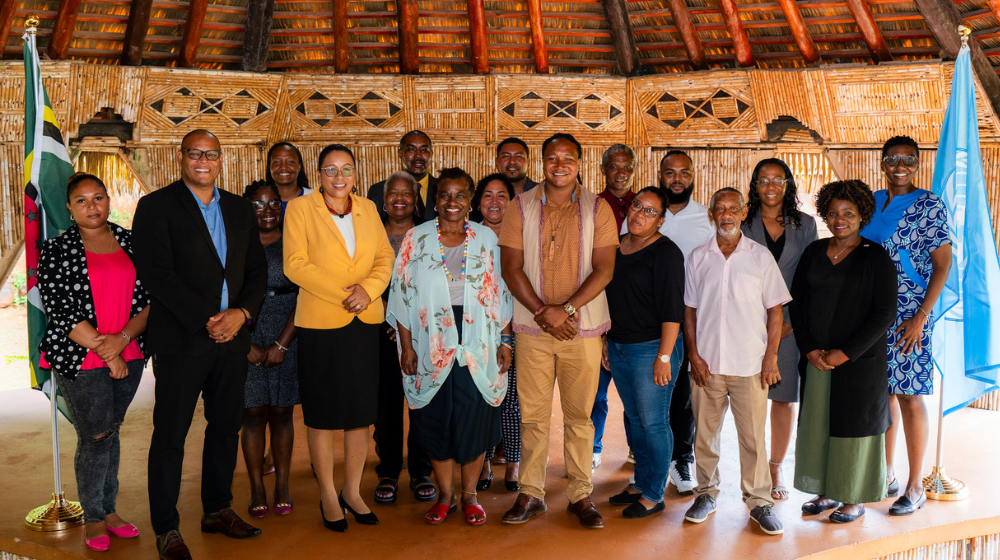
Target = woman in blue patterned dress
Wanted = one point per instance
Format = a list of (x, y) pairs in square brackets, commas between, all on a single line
[(912, 225)]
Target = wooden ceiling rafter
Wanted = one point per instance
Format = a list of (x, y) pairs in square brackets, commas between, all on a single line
[(407, 29), (538, 36), (741, 46), (340, 39), (801, 33), (869, 30), (62, 31), (192, 33), (134, 42), (689, 35), (478, 51), (257, 36), (622, 38), (7, 10)]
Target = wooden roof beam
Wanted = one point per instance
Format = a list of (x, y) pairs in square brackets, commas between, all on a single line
[(478, 52), (943, 19), (407, 15), (340, 45), (741, 46), (135, 32), (622, 37), (869, 30), (257, 36), (63, 30), (692, 44), (7, 9), (192, 33), (538, 36), (802, 37)]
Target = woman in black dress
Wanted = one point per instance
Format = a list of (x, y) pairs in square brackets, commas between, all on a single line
[(272, 387)]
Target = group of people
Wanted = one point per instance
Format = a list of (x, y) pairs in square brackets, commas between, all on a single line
[(469, 301)]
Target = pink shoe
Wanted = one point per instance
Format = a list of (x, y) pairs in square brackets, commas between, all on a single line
[(100, 544), (282, 508), (124, 532)]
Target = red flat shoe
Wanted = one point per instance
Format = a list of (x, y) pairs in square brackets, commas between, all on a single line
[(473, 510), (100, 544), (438, 513)]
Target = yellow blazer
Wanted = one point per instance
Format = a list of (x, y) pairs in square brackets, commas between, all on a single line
[(316, 259)]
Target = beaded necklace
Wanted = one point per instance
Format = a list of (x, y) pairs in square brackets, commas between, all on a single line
[(334, 212), (465, 251)]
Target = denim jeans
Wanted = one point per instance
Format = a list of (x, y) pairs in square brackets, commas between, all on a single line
[(647, 407), (599, 415), (97, 404)]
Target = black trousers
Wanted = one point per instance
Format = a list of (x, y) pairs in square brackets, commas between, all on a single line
[(219, 377), (389, 425), (682, 417)]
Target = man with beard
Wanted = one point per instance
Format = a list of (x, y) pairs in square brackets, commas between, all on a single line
[(415, 153), (512, 162), (733, 293)]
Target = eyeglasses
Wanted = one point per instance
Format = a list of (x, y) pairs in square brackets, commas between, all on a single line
[(194, 154), (777, 181), (333, 171), (648, 210), (260, 205), (907, 160)]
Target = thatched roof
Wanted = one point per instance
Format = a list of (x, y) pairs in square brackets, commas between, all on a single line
[(578, 36)]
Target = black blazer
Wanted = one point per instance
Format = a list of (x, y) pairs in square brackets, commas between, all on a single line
[(65, 287), (424, 209), (178, 265)]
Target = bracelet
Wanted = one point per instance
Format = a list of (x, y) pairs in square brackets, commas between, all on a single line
[(507, 338), (128, 338), (921, 309), (280, 347), (507, 345)]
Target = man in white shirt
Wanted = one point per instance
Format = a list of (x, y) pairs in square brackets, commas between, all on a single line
[(733, 295)]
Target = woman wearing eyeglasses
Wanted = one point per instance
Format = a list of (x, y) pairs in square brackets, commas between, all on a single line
[(912, 225), (338, 253), (774, 220), (272, 386), (646, 301)]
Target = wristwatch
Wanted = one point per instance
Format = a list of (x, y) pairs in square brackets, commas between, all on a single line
[(569, 309), (664, 358)]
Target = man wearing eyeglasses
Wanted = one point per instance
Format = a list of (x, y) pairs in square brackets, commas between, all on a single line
[(415, 153), (512, 162), (198, 253)]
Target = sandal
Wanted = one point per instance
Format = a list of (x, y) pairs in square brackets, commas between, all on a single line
[(473, 510), (438, 513), (257, 511), (779, 493), (385, 492), (420, 487)]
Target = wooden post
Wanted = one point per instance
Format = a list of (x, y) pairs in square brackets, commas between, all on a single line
[(538, 37), (63, 30), (943, 18), (9, 260), (744, 56), (7, 9), (869, 30), (622, 38), (257, 35), (407, 17), (192, 33), (692, 44), (340, 36), (802, 37), (478, 52), (135, 32)]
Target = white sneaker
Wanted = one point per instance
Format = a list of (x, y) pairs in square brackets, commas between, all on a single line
[(631, 480), (597, 461), (680, 476)]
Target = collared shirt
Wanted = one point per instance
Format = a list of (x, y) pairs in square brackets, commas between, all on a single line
[(732, 297), (560, 240), (619, 206), (528, 185), (212, 213), (688, 228)]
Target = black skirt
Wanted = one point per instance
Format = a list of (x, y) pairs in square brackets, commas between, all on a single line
[(338, 376), (458, 423)]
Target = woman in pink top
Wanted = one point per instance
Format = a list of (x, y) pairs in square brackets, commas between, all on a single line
[(93, 343)]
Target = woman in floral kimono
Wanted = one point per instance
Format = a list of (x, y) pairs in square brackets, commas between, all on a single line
[(452, 312)]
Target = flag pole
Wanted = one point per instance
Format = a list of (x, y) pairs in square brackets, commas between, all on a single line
[(59, 514), (938, 485)]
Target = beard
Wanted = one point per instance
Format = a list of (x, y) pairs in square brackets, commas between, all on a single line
[(726, 234), (680, 198)]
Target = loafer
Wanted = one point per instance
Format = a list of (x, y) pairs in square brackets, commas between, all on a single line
[(171, 546), (227, 522), (585, 510), (625, 498), (525, 507), (893, 489), (841, 517), (766, 520), (703, 506), (903, 506), (636, 510), (812, 508)]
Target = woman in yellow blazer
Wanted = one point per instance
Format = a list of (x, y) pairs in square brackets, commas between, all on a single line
[(337, 252)]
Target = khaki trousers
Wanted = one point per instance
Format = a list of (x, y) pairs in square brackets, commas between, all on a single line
[(541, 362), (749, 403)]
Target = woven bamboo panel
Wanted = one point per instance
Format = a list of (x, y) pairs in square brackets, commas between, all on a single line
[(989, 128), (989, 402), (794, 94), (452, 109), (237, 107), (345, 109), (241, 165), (535, 107), (11, 196), (93, 88), (703, 111), (55, 75), (985, 547)]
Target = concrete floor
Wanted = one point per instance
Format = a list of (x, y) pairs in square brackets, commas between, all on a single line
[(973, 454)]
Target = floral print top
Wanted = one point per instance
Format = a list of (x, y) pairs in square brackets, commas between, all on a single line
[(419, 301)]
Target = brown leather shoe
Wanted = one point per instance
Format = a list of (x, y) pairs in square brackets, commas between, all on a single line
[(171, 546), (226, 521), (585, 510), (525, 507)]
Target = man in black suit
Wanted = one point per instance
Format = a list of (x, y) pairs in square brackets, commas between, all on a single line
[(197, 251), (415, 153)]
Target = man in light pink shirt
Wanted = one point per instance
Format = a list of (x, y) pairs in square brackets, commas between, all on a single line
[(733, 295)]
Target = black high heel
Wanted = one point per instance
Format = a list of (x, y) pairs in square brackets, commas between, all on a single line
[(485, 483), (339, 525), (512, 485), (363, 518)]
